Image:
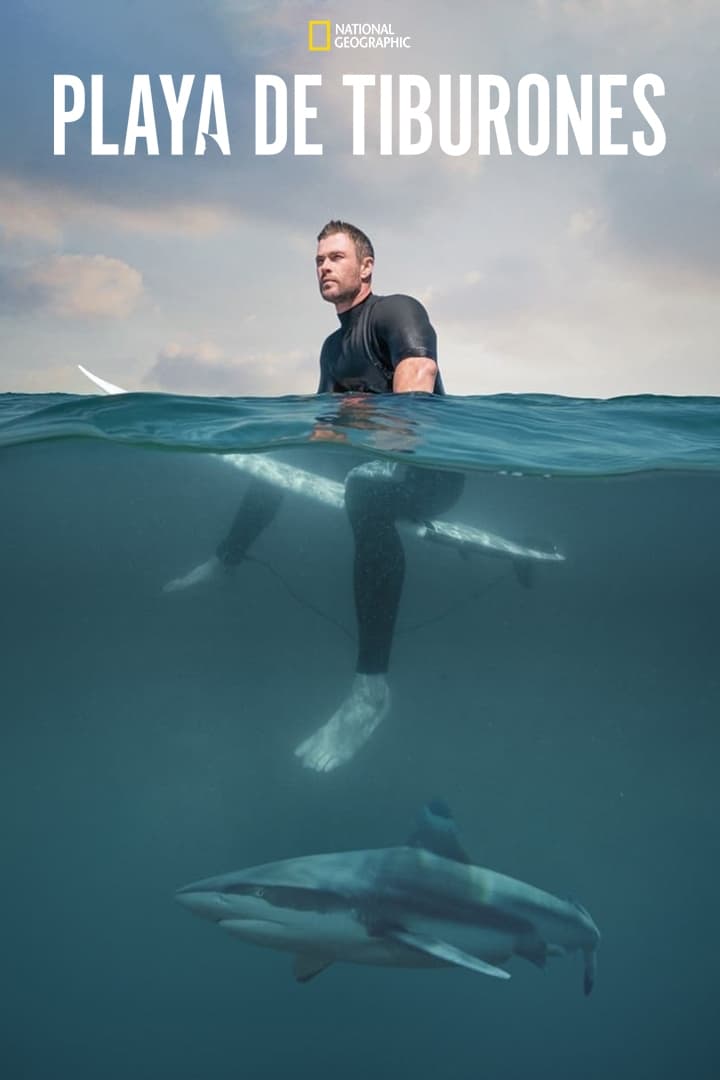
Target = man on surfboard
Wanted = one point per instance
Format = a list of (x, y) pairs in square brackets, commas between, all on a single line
[(385, 344)]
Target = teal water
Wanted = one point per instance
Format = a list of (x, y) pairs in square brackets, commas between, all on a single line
[(148, 737), (533, 432)]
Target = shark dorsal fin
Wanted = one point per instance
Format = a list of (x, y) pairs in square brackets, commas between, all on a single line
[(436, 831)]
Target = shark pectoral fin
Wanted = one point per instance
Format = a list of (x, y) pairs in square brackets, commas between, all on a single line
[(307, 965), (446, 953)]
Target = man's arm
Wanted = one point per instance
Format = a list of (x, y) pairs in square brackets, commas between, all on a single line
[(415, 373), (327, 383), (405, 331)]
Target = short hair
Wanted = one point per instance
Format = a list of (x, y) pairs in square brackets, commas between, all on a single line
[(363, 246)]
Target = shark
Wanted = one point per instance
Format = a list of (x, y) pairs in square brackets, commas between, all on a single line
[(422, 904)]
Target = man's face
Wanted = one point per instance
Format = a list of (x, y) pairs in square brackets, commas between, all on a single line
[(341, 275)]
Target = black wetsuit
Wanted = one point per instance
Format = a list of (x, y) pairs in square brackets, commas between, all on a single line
[(372, 339), (361, 357)]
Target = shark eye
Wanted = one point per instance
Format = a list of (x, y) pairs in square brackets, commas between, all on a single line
[(259, 892)]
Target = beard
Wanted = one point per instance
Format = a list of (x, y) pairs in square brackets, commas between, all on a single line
[(344, 295)]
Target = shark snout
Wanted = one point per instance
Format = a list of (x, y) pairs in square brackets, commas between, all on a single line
[(207, 903), (228, 896)]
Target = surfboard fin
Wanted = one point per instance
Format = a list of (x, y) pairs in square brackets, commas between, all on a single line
[(523, 571), (590, 970)]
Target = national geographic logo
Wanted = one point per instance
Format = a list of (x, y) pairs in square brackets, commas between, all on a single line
[(324, 35)]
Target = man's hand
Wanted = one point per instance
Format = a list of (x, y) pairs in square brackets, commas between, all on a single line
[(326, 434), (356, 407)]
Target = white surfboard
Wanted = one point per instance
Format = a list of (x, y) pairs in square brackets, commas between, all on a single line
[(466, 539)]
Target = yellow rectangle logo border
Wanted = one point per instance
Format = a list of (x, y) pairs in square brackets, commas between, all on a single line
[(312, 23)]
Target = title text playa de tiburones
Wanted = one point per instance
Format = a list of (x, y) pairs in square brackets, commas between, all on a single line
[(405, 114)]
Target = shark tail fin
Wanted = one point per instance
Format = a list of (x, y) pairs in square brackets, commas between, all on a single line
[(590, 970)]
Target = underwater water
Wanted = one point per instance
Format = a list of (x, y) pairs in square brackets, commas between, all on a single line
[(571, 722)]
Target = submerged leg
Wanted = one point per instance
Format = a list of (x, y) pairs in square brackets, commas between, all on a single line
[(257, 509), (376, 496), (259, 506), (374, 504)]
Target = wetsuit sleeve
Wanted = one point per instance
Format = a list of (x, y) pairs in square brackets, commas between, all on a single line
[(327, 384), (402, 324)]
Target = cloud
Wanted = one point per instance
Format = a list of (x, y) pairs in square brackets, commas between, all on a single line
[(25, 216), (573, 273), (43, 212), (204, 369), (84, 286), (590, 328), (584, 221), (244, 38)]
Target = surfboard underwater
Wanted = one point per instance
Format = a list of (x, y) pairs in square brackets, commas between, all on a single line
[(465, 539)]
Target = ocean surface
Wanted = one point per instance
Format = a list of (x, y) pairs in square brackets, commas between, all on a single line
[(570, 718)]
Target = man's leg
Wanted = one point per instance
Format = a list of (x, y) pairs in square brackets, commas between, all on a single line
[(377, 495), (257, 509), (259, 506)]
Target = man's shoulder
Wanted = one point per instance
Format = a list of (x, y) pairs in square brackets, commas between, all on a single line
[(398, 305), (395, 298)]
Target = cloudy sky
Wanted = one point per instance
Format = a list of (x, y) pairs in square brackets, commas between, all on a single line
[(591, 276)]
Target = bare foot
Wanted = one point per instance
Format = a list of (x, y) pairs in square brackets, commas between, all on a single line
[(206, 571), (350, 727)]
